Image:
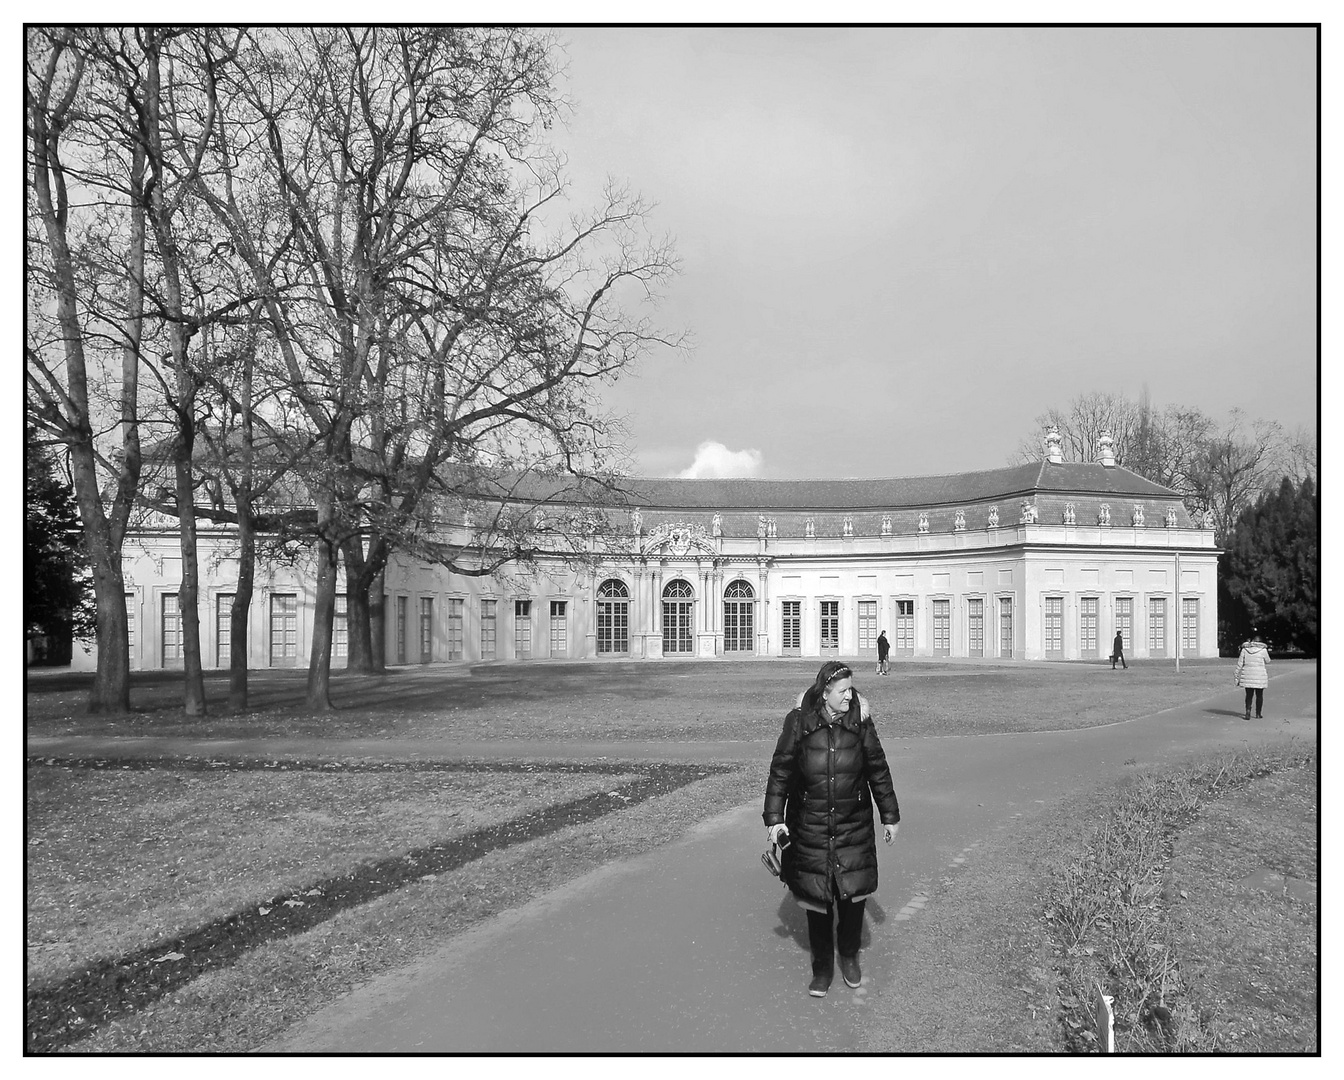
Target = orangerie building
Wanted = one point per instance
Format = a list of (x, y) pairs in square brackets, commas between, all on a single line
[(1042, 561)]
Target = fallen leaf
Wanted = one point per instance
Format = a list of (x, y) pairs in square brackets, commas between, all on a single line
[(314, 892), (169, 956), (263, 911), (293, 903)]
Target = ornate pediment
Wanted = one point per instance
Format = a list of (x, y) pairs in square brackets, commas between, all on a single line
[(678, 539)]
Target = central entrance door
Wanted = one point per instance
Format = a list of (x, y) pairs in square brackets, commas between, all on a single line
[(678, 610)]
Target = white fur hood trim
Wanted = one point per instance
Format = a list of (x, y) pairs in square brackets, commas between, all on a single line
[(865, 713)]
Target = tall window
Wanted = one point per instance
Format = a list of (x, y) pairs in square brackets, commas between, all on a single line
[(131, 605), (942, 627), (488, 608), (426, 629), (1157, 626), (172, 631), (454, 642), (1005, 626), (1189, 626), (904, 645), (401, 629), (678, 610), (1087, 626), (1054, 627), (284, 630), (613, 617), (975, 627), (739, 606), (522, 629), (830, 626), (1124, 620), (223, 629), (340, 629), (559, 629), (792, 628), (867, 627)]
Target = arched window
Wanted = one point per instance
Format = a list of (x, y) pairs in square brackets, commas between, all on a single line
[(613, 617), (678, 617), (739, 610)]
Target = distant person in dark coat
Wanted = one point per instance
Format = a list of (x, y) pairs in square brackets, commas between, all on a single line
[(1118, 650), (1253, 673), (827, 772), (883, 650)]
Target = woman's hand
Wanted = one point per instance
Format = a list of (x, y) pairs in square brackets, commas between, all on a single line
[(890, 831), (778, 834)]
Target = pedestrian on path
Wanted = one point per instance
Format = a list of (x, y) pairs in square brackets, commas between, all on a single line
[(827, 772), (1253, 672), (883, 650), (1118, 650)]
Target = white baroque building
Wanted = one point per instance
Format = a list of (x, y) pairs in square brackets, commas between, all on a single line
[(1025, 562)]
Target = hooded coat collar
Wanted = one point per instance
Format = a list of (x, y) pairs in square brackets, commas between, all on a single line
[(853, 720)]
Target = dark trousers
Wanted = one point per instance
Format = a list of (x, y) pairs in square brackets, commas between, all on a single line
[(821, 939), (1118, 656), (1259, 692)]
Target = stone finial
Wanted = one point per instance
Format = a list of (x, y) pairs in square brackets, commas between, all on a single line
[(636, 521), (959, 522), (1106, 450), (993, 517), (1138, 516), (923, 522), (849, 526), (1210, 519), (1029, 512), (810, 529), (1054, 451), (761, 526), (716, 525), (1104, 514), (1070, 514), (886, 524), (1171, 517)]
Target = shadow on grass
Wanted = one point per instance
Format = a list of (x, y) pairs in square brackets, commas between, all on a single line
[(65, 1012)]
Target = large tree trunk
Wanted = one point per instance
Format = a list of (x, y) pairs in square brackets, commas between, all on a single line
[(111, 691), (361, 574)]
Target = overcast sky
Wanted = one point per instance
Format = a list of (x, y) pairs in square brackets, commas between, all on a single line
[(899, 246)]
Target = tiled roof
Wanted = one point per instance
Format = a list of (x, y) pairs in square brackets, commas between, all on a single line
[(892, 493)]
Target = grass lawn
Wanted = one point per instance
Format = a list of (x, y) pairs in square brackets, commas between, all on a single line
[(123, 859), (1195, 958), (686, 700)]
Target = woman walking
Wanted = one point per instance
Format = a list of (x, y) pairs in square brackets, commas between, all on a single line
[(1253, 672), (827, 772)]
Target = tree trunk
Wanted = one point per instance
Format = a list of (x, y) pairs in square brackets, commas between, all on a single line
[(189, 591), (361, 576), (359, 655), (378, 623), (111, 691), (324, 612), (238, 615)]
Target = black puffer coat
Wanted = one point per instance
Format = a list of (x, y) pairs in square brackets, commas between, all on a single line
[(824, 779)]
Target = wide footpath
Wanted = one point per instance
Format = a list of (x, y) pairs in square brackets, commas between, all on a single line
[(694, 947)]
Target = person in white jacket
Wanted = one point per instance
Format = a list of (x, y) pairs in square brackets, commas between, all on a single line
[(1253, 673)]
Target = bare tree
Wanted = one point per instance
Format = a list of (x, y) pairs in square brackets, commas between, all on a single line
[(109, 217)]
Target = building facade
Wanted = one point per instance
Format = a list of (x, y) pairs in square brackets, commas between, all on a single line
[(1044, 561)]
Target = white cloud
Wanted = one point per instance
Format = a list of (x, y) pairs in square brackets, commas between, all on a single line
[(713, 460)]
